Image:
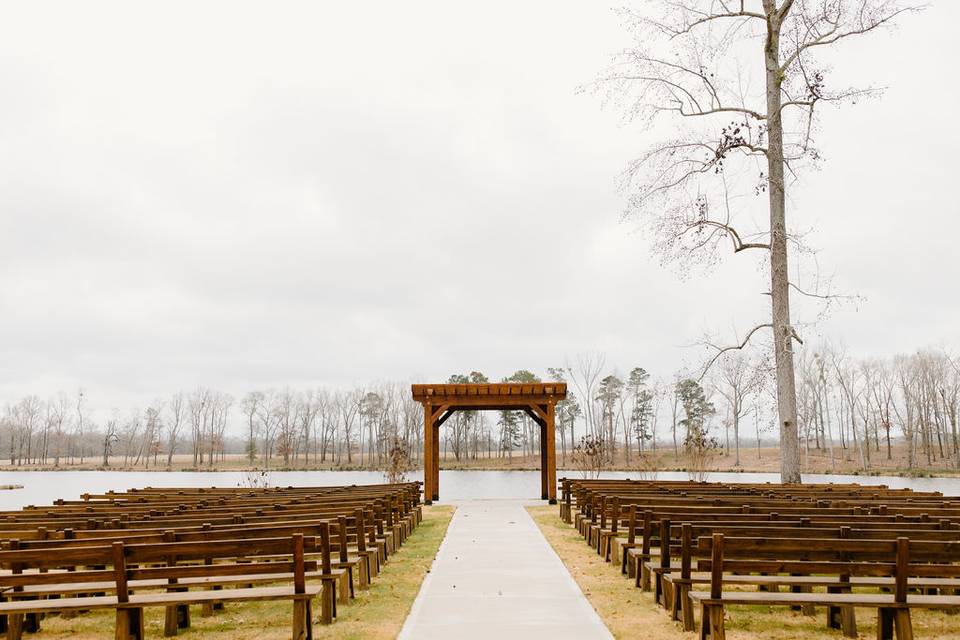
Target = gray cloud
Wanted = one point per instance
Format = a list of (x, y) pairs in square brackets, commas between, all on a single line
[(241, 195)]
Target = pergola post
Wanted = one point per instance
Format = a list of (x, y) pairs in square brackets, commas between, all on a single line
[(551, 453), (436, 461), (543, 459), (427, 454)]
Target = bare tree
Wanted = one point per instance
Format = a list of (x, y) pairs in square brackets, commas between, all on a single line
[(197, 409), (310, 406), (111, 435), (584, 379), (695, 64), (349, 405), (737, 379), (59, 415), (177, 411), (80, 424)]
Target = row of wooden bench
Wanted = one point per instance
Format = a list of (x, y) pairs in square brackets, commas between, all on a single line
[(835, 546), (173, 548)]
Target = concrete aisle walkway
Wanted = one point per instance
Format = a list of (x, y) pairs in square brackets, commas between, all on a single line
[(496, 577)]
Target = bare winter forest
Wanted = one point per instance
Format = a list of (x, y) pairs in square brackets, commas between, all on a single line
[(895, 414)]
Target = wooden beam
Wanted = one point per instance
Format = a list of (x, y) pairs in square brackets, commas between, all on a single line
[(430, 392), (540, 410), (436, 463), (533, 416), (543, 459), (445, 416), (435, 414), (493, 403), (428, 454), (551, 438)]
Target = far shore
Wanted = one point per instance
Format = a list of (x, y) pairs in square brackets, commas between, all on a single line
[(764, 460)]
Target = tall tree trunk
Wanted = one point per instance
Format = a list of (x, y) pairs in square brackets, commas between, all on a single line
[(779, 274), (736, 433)]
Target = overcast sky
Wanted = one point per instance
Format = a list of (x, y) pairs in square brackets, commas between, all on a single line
[(253, 195)]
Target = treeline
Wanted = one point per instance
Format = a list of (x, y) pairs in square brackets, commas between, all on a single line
[(850, 410), (356, 427), (858, 409)]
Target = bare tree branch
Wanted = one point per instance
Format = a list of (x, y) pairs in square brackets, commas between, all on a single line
[(835, 33), (737, 347)]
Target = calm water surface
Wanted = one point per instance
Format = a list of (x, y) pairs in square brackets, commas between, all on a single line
[(43, 487)]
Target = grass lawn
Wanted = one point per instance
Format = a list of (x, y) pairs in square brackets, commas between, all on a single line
[(376, 613), (630, 613)]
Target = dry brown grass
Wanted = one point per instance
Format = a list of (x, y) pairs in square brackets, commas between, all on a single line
[(629, 613), (376, 614)]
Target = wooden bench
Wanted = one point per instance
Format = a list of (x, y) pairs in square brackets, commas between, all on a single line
[(674, 582), (369, 523), (851, 558), (125, 561)]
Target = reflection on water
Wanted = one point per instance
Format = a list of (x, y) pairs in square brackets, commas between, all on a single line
[(43, 487)]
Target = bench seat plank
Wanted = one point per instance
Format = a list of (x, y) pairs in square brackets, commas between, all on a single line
[(824, 599), (157, 599)]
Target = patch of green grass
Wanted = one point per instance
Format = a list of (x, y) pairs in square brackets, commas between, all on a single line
[(376, 613)]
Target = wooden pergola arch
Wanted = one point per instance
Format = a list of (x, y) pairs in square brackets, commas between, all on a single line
[(440, 401)]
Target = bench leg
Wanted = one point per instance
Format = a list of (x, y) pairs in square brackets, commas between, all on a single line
[(806, 609), (902, 624), (129, 624), (208, 608), (848, 622), (658, 595), (644, 577), (373, 563), (844, 617), (894, 622), (328, 602), (302, 620), (364, 571), (14, 626), (176, 617), (170, 622), (711, 622), (686, 608), (344, 590)]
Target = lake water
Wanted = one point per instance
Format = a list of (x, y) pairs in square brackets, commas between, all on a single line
[(43, 487)]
